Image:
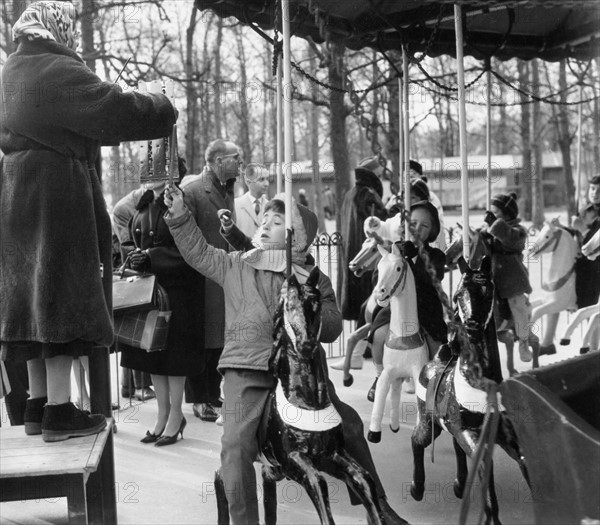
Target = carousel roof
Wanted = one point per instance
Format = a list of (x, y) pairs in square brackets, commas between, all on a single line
[(546, 29)]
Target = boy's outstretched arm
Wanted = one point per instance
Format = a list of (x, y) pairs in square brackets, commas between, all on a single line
[(209, 261)]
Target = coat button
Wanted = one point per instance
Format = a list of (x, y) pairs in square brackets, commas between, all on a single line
[(151, 233), (137, 230)]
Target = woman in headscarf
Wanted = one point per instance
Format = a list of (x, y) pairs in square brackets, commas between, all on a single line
[(55, 113)]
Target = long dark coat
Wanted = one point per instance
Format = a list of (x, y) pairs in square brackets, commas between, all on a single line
[(182, 356), (55, 230), (359, 203)]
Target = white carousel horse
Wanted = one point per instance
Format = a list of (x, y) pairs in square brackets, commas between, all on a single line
[(558, 280), (379, 233), (405, 351), (591, 337)]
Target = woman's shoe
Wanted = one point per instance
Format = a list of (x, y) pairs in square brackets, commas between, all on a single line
[(169, 440), (151, 438)]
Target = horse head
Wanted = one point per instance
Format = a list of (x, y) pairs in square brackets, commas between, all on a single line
[(591, 249), (478, 248), (367, 257), (392, 274), (547, 239), (475, 293), (298, 317)]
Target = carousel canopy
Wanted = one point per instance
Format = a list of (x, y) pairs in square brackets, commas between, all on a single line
[(546, 29)]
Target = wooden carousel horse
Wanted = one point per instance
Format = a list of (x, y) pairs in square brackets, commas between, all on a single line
[(452, 387), (301, 435), (591, 337), (379, 233), (405, 351), (558, 281), (505, 327)]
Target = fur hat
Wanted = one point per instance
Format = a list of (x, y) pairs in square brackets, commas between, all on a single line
[(507, 203), (419, 189), (435, 218), (414, 165), (304, 222)]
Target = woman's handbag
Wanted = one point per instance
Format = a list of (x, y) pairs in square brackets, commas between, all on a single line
[(141, 310)]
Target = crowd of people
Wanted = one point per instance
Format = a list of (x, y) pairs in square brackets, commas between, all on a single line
[(220, 259)]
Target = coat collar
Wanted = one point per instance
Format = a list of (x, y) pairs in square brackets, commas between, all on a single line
[(35, 47)]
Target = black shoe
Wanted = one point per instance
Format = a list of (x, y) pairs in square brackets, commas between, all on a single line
[(65, 421), (371, 392), (127, 393), (151, 437), (34, 413), (169, 440), (548, 350), (208, 413), (144, 394)]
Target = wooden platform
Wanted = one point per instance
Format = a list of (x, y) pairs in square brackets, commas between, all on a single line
[(31, 469)]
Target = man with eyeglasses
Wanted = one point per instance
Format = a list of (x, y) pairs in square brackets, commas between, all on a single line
[(204, 195)]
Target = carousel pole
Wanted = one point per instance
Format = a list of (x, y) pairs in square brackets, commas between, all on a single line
[(462, 126), (405, 118), (279, 138), (579, 134), (287, 126), (400, 134), (488, 132)]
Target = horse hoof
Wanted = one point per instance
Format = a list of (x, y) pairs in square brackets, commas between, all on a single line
[(565, 342), (417, 490), (547, 350), (584, 350), (348, 381), (374, 437), (394, 430), (458, 489)]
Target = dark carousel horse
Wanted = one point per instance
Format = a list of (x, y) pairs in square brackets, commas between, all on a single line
[(455, 384), (301, 434), (480, 247)]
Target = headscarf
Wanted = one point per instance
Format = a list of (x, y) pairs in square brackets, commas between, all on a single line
[(48, 20)]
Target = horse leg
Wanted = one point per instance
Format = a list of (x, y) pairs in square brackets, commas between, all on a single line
[(355, 337), (507, 337), (581, 315), (222, 506), (549, 332), (395, 404), (462, 470), (377, 352), (300, 469), (420, 439), (269, 495), (492, 510), (381, 392), (360, 482), (589, 340)]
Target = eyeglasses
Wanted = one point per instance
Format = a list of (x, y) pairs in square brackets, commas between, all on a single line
[(235, 156)]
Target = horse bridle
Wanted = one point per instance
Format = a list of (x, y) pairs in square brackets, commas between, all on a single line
[(555, 237), (401, 278)]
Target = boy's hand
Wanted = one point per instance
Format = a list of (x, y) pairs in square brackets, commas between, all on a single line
[(174, 202), (225, 218)]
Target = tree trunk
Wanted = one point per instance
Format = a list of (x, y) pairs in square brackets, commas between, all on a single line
[(192, 150), (314, 147), (538, 180), (528, 170), (218, 114), (244, 136), (564, 139), (596, 119), (339, 141)]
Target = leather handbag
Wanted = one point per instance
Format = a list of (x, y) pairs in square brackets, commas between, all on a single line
[(141, 310)]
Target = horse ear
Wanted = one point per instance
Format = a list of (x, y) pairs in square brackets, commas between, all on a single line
[(463, 265), (292, 281), (382, 250), (396, 249), (486, 265), (313, 278)]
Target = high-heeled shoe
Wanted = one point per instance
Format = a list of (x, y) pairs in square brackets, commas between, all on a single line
[(169, 440), (151, 437)]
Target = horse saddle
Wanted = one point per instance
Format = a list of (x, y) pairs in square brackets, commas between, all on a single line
[(433, 388)]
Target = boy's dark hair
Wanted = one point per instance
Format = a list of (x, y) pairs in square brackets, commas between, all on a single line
[(594, 180), (275, 205)]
